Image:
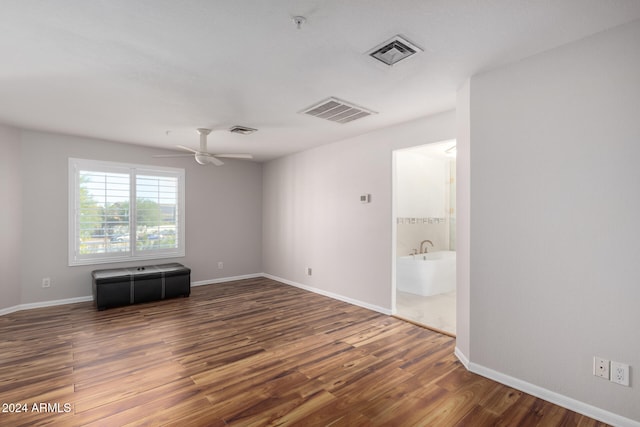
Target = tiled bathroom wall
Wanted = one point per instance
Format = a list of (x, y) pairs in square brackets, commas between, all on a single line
[(412, 231)]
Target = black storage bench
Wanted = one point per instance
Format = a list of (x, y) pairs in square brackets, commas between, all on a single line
[(123, 286)]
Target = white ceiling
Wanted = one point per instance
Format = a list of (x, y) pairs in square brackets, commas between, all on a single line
[(131, 70)]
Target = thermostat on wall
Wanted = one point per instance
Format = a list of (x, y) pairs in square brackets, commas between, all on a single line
[(365, 198)]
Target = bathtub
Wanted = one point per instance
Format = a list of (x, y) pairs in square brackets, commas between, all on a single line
[(427, 274)]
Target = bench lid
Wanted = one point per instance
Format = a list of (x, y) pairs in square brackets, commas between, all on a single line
[(143, 272)]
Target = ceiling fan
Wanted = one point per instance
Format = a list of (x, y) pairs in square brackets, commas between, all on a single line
[(202, 156)]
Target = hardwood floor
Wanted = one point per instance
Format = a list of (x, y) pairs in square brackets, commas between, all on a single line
[(247, 353)]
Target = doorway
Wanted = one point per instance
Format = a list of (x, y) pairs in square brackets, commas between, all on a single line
[(424, 230)]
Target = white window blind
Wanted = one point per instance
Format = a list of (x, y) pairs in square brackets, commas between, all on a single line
[(123, 212)]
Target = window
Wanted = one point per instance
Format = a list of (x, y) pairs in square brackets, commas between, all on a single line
[(123, 212)]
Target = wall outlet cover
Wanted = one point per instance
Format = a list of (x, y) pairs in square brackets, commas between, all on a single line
[(620, 373)]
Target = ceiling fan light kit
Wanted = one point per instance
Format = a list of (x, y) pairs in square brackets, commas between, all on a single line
[(206, 158)]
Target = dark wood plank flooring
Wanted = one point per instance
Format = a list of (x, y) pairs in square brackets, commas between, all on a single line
[(247, 353)]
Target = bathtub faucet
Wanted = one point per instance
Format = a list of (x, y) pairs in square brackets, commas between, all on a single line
[(423, 247)]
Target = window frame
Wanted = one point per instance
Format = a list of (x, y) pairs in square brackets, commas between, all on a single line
[(133, 170)]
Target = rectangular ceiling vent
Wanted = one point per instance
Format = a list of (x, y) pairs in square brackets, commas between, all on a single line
[(395, 50), (243, 130), (336, 110)]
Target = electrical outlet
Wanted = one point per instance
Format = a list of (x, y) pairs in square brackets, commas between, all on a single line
[(620, 373), (601, 367), (309, 271), (220, 265), (46, 282)]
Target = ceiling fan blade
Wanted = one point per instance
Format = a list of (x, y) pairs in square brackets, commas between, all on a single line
[(172, 155), (187, 148), (234, 156), (215, 161)]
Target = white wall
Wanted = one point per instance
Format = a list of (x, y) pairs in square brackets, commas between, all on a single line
[(463, 221), (223, 207), (312, 215), (422, 185), (10, 217), (555, 239)]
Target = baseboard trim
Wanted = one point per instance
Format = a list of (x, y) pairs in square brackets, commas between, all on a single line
[(548, 395), (338, 297), (329, 294), (226, 279), (9, 310), (462, 358), (42, 304)]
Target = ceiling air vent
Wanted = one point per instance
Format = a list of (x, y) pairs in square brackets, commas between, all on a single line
[(393, 51), (243, 130), (336, 110)]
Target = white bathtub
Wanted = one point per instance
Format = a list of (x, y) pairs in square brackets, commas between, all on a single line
[(427, 274)]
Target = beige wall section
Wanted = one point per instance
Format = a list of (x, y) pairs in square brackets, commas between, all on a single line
[(555, 271), (10, 217), (312, 215), (223, 206)]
